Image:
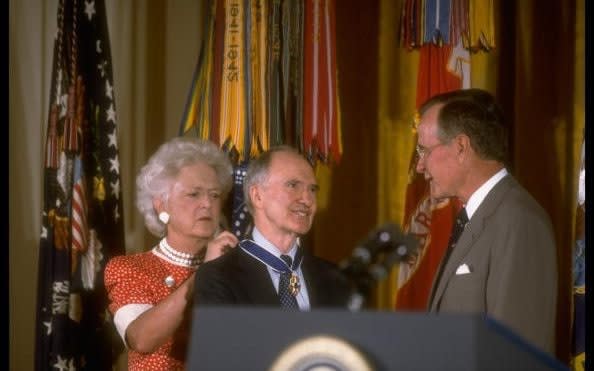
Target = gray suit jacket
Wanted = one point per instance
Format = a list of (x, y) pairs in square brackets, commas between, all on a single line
[(509, 249)]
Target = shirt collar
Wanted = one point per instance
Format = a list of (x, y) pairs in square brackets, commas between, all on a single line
[(479, 195), (268, 246)]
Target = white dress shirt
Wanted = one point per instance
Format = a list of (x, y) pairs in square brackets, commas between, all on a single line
[(302, 297), (479, 195)]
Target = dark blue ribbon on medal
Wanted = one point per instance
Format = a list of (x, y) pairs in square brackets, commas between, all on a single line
[(269, 259)]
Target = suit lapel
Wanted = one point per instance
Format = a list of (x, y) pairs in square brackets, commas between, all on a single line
[(254, 279), (471, 233), (310, 276)]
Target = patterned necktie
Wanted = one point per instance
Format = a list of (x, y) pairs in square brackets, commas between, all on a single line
[(457, 230), (287, 300)]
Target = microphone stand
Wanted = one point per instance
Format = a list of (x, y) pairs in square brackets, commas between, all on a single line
[(373, 258)]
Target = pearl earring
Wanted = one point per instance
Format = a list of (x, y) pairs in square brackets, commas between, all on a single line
[(164, 217)]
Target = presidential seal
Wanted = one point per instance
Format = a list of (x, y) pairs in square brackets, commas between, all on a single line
[(321, 353)]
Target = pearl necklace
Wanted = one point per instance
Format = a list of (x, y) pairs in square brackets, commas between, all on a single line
[(178, 257)]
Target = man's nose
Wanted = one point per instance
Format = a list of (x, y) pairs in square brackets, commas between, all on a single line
[(308, 197)]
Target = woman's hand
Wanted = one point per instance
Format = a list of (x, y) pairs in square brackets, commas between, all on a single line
[(153, 327), (220, 245)]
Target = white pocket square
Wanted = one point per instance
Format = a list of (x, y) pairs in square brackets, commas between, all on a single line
[(463, 269)]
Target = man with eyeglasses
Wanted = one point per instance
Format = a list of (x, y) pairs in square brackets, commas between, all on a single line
[(501, 260)]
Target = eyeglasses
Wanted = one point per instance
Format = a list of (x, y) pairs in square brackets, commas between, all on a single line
[(423, 152)]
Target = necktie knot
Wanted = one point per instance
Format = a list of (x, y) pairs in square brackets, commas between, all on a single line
[(462, 218), (288, 261), (458, 226)]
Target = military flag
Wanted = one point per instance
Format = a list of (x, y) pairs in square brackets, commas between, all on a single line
[(258, 68), (266, 75), (321, 128), (196, 114), (481, 29), (437, 29), (274, 75), (241, 219), (82, 216), (233, 116), (292, 67)]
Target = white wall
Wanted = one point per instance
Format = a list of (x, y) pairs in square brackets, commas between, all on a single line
[(32, 25)]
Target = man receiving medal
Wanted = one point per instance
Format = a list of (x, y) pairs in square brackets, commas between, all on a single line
[(272, 268)]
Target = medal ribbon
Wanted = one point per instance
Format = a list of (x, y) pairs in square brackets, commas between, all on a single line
[(259, 253)]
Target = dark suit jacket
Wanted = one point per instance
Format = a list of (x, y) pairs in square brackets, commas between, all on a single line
[(509, 249), (236, 278)]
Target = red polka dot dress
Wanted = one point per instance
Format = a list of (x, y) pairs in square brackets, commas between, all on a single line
[(135, 283)]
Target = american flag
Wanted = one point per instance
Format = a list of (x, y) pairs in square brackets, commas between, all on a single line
[(82, 216), (241, 219)]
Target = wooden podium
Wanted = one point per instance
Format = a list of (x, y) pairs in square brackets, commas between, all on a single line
[(242, 338)]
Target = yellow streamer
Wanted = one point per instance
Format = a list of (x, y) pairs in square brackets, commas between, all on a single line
[(258, 65), (232, 115), (482, 24)]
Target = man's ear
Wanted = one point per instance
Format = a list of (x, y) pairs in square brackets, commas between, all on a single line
[(255, 194), (463, 147)]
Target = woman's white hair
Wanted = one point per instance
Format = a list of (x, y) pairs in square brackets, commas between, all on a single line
[(155, 178)]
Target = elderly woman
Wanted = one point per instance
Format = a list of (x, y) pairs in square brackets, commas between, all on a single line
[(180, 192)]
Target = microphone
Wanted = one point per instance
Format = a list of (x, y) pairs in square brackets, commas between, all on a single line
[(371, 260), (401, 251), (386, 243)]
